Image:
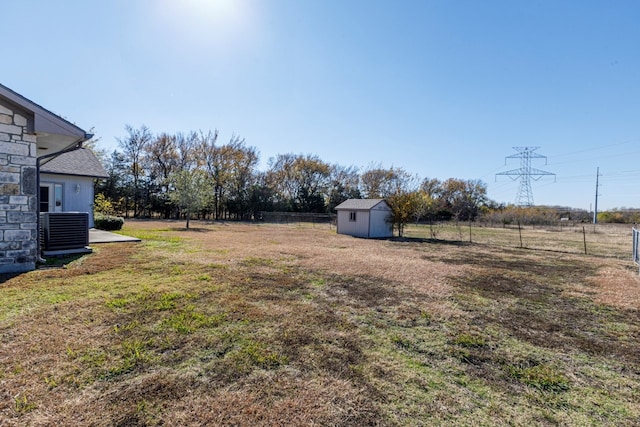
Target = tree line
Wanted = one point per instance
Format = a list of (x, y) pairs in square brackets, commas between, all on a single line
[(194, 174)]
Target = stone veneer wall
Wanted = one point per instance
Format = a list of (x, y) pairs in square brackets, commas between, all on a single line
[(18, 197)]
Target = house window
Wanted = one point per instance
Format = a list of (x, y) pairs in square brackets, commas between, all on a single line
[(352, 216)]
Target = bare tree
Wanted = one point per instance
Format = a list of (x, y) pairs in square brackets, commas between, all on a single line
[(161, 156), (185, 150), (299, 182), (343, 184), (212, 161), (379, 183), (244, 161), (429, 203), (133, 148)]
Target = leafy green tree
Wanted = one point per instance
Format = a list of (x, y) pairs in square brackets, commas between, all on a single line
[(260, 196), (463, 198), (189, 191), (404, 205)]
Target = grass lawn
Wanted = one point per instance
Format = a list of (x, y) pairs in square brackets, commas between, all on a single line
[(243, 324)]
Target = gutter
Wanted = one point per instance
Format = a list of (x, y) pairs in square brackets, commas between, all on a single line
[(73, 147)]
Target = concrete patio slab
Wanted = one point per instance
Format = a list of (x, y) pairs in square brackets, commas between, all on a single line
[(101, 236)]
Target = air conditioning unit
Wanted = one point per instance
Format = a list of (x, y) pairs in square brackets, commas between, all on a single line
[(64, 232)]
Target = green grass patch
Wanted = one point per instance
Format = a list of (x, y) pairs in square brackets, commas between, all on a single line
[(119, 302), (257, 261), (469, 340), (260, 355), (189, 320), (543, 377), (23, 405), (132, 354), (168, 301)]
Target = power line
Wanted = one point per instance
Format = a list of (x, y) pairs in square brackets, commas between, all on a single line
[(602, 147), (602, 157)]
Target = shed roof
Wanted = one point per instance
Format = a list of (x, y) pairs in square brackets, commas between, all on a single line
[(359, 204), (80, 162)]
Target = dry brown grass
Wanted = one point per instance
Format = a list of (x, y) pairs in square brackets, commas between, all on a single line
[(243, 324)]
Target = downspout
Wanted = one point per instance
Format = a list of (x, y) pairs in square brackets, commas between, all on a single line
[(75, 146)]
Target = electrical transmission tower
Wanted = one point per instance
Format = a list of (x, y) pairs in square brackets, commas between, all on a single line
[(525, 173)]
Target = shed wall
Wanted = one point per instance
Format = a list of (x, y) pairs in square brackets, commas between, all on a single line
[(378, 226), (357, 228)]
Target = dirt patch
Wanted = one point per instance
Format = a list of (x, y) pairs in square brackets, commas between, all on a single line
[(530, 301), (619, 287)]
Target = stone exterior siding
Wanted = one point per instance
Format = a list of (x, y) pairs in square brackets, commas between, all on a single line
[(18, 193)]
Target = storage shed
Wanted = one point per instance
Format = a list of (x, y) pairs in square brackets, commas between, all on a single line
[(364, 218)]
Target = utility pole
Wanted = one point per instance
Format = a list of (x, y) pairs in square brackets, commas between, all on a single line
[(595, 211), (525, 173)]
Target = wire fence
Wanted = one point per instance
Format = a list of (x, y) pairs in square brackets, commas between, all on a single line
[(607, 240), (293, 217)]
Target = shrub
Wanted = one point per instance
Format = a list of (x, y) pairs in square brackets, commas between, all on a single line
[(102, 205), (108, 222)]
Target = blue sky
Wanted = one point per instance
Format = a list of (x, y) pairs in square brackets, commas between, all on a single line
[(441, 88)]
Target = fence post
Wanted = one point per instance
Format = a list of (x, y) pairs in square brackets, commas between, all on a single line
[(584, 239), (520, 233), (636, 246)]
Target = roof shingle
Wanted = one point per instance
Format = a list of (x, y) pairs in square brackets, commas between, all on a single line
[(81, 162), (358, 204)]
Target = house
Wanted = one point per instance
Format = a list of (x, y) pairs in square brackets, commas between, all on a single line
[(29, 136), (364, 218), (66, 182)]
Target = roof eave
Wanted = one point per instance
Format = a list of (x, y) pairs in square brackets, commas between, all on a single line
[(45, 172), (53, 132)]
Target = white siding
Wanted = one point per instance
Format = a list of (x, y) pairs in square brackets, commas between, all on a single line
[(72, 200), (357, 228), (378, 226)]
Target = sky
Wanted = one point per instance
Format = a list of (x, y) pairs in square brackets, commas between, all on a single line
[(440, 88)]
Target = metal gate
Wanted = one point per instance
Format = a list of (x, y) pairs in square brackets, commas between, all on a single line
[(636, 246)]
